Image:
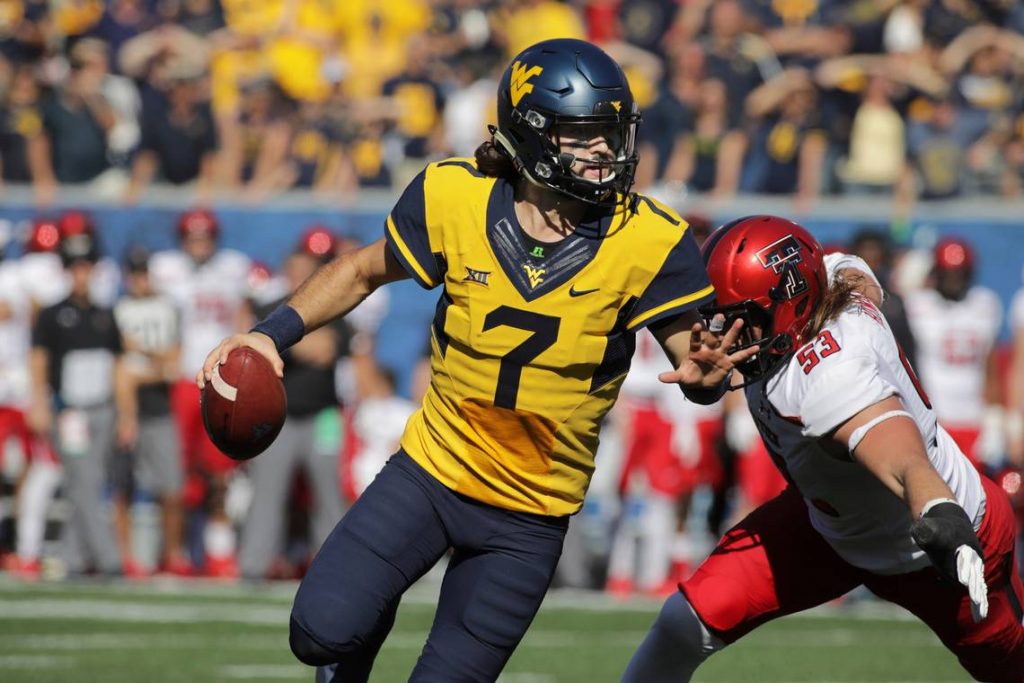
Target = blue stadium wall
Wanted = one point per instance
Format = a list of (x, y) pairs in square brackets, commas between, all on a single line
[(268, 233)]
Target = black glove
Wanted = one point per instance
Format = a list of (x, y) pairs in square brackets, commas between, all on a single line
[(940, 532)]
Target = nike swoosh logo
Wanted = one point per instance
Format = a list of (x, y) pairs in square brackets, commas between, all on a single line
[(580, 292)]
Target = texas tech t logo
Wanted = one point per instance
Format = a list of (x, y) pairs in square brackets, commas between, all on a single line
[(782, 256), (777, 254)]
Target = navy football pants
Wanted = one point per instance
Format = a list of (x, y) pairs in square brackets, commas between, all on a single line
[(399, 528)]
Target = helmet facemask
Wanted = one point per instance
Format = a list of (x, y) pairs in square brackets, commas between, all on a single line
[(762, 362), (589, 158), (774, 346)]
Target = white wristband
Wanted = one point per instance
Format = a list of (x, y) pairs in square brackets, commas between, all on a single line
[(860, 432)]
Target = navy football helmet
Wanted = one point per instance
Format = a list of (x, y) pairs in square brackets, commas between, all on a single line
[(568, 92)]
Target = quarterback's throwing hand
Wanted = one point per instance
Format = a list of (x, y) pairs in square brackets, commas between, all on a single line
[(254, 340), (709, 360)]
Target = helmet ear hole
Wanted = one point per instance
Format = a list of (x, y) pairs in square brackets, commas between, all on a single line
[(801, 307)]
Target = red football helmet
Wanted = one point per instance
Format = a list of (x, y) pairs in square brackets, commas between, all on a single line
[(198, 222), (318, 241), (44, 236), (73, 223), (952, 253), (954, 268), (1011, 480), (769, 272)]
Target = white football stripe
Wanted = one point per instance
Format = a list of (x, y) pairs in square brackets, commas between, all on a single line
[(222, 387)]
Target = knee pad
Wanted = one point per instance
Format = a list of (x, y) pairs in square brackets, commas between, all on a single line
[(306, 649)]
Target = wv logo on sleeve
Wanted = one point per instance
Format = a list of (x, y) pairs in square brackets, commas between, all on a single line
[(519, 83)]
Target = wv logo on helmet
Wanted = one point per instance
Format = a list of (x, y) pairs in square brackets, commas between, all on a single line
[(520, 81)]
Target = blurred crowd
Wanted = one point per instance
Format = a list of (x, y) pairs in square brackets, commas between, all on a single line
[(914, 98), (106, 469)]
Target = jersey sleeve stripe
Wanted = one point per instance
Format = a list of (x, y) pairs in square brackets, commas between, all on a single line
[(669, 307), (405, 256)]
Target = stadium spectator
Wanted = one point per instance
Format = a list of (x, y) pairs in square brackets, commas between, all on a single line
[(787, 150), (317, 156), (152, 341), (255, 145), (76, 368), (857, 462), (643, 23), (734, 55), (373, 38), (179, 137), (71, 20), (803, 33), (919, 55), (122, 20), (669, 119), (23, 30), (467, 109), (200, 17), (311, 440), (78, 118), (877, 145), (209, 286), (417, 102), (455, 482), (522, 24), (936, 154), (709, 157), (956, 323), (24, 145)]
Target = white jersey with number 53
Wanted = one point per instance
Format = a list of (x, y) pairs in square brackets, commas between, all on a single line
[(852, 364)]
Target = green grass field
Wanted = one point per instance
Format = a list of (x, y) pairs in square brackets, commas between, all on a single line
[(197, 633)]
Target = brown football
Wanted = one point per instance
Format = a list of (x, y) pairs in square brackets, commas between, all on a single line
[(243, 405)]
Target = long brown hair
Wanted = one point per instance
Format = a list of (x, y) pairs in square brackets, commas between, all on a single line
[(838, 296), (492, 161)]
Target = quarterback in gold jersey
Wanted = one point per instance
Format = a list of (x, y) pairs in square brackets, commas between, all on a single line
[(547, 265)]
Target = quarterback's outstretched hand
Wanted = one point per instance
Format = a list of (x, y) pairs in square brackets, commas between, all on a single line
[(709, 361), (254, 340), (946, 534)]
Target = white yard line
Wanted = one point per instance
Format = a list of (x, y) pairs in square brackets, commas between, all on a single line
[(8, 662), (258, 671), (422, 594)]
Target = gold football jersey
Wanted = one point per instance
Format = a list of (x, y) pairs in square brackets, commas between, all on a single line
[(530, 343)]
